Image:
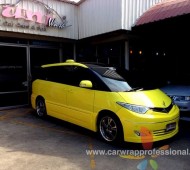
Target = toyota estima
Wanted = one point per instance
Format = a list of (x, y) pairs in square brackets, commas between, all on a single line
[(99, 99)]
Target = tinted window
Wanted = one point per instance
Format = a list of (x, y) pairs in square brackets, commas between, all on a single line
[(77, 74), (71, 75), (57, 74)]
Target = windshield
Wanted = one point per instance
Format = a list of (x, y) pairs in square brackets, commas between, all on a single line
[(112, 79), (116, 85)]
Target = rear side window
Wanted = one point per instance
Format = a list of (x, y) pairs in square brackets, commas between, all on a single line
[(57, 74)]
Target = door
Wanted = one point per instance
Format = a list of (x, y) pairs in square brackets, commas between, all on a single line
[(13, 76), (80, 101)]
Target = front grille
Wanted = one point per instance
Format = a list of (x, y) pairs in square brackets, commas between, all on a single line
[(163, 110), (162, 132)]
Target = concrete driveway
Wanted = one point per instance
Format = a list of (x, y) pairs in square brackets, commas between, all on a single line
[(30, 143)]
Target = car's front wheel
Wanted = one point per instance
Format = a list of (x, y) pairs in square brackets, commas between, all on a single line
[(41, 108), (110, 128)]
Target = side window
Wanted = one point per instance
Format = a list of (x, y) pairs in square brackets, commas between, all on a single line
[(50, 74), (60, 74), (72, 75), (79, 73), (56, 74)]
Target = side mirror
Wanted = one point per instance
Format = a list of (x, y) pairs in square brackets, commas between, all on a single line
[(86, 84)]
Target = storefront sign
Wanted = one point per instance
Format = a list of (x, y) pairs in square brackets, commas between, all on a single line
[(42, 21)]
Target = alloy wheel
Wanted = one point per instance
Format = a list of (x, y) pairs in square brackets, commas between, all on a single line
[(108, 128), (40, 108)]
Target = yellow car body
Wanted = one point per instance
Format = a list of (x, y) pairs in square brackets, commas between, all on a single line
[(90, 108)]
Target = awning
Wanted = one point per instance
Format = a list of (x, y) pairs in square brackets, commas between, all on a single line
[(164, 10)]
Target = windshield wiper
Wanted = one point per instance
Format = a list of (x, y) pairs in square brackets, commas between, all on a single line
[(135, 89)]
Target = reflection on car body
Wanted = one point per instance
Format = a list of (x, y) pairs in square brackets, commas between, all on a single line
[(99, 99)]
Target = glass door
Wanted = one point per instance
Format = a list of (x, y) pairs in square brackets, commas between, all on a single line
[(13, 76), (41, 56)]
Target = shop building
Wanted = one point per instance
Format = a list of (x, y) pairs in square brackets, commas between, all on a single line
[(163, 32), (36, 32)]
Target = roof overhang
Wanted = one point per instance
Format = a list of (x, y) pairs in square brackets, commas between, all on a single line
[(164, 10)]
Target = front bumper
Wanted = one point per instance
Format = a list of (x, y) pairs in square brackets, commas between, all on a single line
[(150, 127), (149, 132)]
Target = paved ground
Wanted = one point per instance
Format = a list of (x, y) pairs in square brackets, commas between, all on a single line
[(30, 143)]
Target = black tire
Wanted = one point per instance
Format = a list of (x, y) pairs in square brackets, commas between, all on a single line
[(41, 108), (110, 129)]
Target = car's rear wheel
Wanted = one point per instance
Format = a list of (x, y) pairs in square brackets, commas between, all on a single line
[(110, 128), (41, 108)]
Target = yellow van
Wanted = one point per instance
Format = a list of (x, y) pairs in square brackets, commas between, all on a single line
[(99, 99)]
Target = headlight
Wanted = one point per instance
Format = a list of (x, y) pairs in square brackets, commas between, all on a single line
[(187, 98), (134, 108), (180, 98)]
